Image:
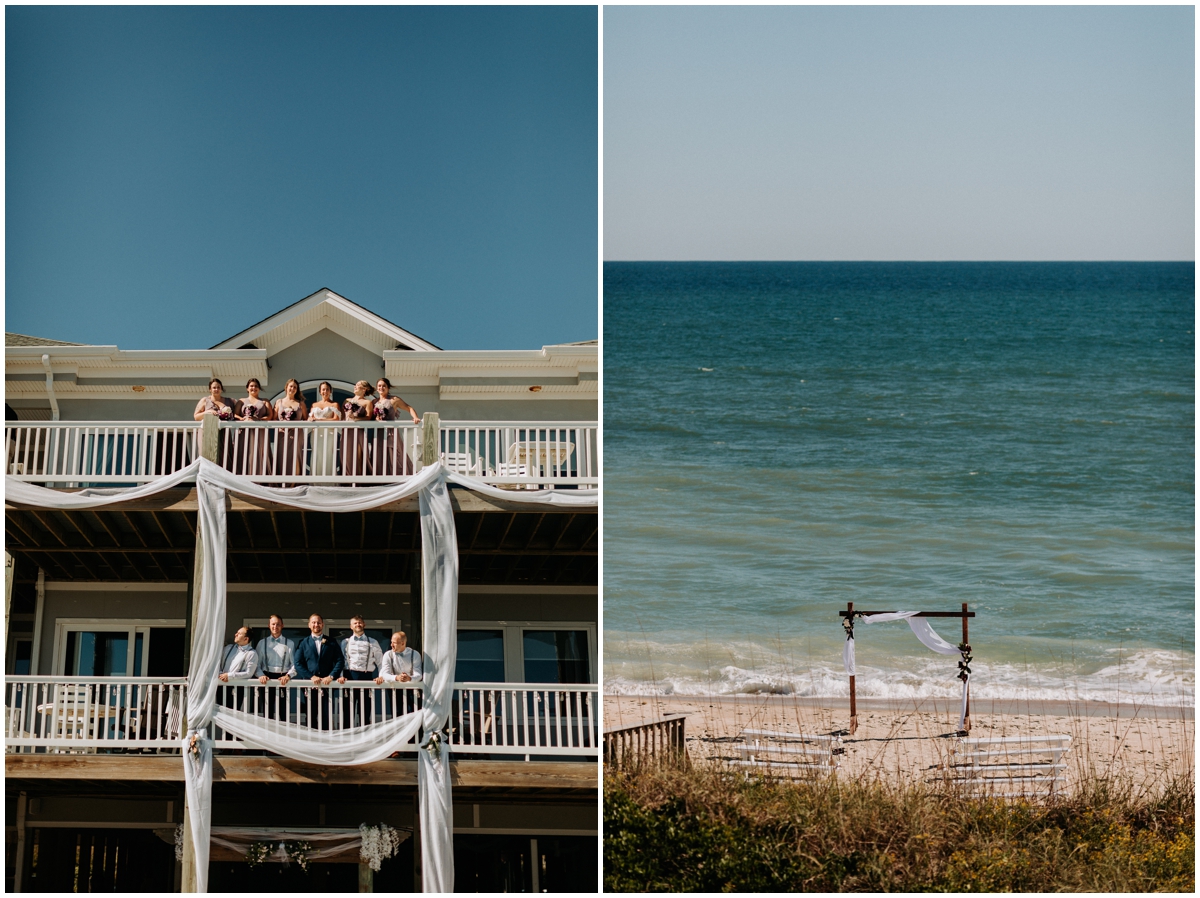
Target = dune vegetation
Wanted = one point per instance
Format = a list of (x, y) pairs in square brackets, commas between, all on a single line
[(706, 829)]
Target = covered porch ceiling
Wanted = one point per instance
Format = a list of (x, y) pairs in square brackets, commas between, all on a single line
[(144, 543)]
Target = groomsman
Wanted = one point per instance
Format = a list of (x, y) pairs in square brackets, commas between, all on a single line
[(275, 659), (362, 653), (319, 660), (363, 656), (400, 665), (238, 662)]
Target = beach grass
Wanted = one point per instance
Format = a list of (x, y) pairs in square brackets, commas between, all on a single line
[(706, 829)]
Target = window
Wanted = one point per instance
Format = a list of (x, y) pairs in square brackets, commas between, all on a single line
[(104, 653), (117, 648), (480, 657), (556, 656), (526, 652)]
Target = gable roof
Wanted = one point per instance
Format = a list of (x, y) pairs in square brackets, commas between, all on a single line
[(26, 340), (326, 310)]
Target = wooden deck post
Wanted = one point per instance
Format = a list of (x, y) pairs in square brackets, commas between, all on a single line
[(366, 878), (966, 641), (209, 436), (853, 704)]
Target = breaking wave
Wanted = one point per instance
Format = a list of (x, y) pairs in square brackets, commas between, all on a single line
[(1150, 677)]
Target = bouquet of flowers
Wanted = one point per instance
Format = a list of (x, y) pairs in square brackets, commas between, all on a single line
[(378, 844), (434, 745), (224, 413), (287, 414), (257, 853), (298, 852), (380, 413), (348, 405)]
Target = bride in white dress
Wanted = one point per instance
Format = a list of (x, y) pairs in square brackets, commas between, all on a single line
[(325, 439)]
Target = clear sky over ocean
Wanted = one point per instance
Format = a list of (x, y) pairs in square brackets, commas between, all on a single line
[(899, 133), (176, 174)]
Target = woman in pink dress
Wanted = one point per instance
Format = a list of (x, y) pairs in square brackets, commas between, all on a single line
[(214, 404), (289, 441), (358, 408), (250, 443), (390, 454)]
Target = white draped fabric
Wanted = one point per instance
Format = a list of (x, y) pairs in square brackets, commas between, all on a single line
[(361, 745), (326, 844), (923, 631)]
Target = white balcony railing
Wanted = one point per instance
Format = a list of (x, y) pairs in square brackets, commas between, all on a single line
[(519, 455), (512, 455), (72, 714), (87, 714), (511, 719)]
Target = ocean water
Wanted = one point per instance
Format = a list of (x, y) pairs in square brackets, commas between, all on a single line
[(782, 438)]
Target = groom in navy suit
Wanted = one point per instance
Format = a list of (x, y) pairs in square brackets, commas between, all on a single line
[(318, 659)]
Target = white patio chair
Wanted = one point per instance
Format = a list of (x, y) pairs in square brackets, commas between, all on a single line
[(460, 463)]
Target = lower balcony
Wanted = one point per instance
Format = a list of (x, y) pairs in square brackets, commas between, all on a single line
[(143, 715)]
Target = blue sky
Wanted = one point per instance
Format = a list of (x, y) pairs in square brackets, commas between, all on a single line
[(177, 174), (894, 133)]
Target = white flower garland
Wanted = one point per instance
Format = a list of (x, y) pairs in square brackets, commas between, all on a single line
[(378, 844)]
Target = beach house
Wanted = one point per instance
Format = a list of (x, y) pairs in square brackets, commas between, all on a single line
[(108, 634)]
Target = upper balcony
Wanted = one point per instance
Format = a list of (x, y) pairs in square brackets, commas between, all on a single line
[(509, 454)]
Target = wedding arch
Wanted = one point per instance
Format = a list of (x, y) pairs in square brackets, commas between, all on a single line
[(925, 633)]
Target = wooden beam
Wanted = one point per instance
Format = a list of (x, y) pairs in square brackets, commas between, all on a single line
[(236, 769), (918, 614), (461, 500)]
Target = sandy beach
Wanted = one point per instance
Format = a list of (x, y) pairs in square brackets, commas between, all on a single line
[(902, 740)]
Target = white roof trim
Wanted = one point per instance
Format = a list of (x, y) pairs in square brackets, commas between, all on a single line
[(326, 309)]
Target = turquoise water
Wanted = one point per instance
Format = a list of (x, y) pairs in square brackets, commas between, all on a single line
[(782, 438)]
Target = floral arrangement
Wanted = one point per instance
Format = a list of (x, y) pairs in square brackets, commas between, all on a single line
[(179, 843), (348, 405), (298, 852), (257, 853), (287, 414), (194, 745), (380, 413), (964, 666), (434, 745), (224, 413), (378, 844)]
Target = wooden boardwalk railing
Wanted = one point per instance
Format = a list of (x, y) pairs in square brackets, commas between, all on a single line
[(656, 742)]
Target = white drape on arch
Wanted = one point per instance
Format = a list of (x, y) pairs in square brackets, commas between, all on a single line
[(439, 552), (923, 631)]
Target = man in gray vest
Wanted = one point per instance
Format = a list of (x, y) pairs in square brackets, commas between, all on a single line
[(238, 662), (275, 662)]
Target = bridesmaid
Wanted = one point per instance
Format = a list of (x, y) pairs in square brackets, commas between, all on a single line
[(250, 452), (290, 441), (355, 458), (324, 441), (215, 404), (390, 455)]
